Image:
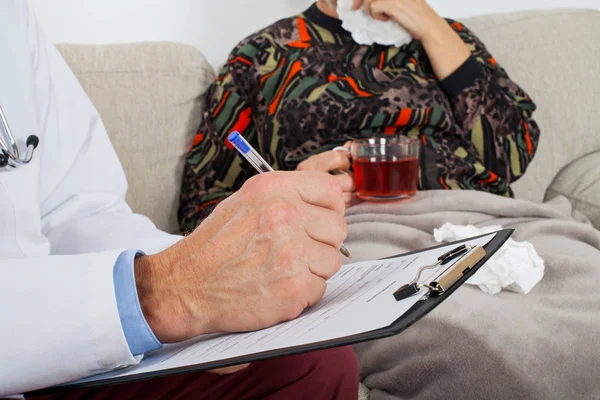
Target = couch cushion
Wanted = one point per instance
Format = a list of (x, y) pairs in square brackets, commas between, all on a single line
[(553, 55), (149, 97), (580, 183)]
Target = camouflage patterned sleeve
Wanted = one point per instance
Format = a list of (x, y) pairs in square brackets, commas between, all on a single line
[(493, 110), (213, 169)]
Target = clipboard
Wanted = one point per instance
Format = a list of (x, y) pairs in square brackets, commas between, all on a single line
[(423, 307)]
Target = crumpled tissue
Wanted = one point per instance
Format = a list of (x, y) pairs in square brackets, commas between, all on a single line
[(367, 31), (516, 266)]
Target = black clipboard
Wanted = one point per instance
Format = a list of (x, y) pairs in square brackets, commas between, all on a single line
[(418, 311)]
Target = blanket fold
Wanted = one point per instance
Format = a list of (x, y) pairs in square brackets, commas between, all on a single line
[(545, 345)]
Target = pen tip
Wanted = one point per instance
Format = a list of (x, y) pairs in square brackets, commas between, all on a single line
[(345, 252)]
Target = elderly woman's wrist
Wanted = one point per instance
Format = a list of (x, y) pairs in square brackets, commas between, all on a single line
[(445, 49), (437, 32)]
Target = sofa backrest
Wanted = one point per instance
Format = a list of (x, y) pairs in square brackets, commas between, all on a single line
[(150, 98), (555, 56)]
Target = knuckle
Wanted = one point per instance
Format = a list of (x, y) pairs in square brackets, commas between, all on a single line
[(341, 157), (314, 163), (336, 262), (347, 182), (228, 204), (294, 311), (313, 292), (352, 182), (310, 164), (330, 261), (279, 214), (303, 166), (344, 226), (319, 291), (334, 185), (266, 183), (255, 183), (348, 197), (297, 287)]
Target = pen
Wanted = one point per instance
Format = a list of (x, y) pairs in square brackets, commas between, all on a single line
[(259, 163)]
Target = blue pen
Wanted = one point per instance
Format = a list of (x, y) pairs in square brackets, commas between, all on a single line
[(259, 163)]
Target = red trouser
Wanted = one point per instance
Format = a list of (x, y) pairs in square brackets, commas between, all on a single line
[(327, 374)]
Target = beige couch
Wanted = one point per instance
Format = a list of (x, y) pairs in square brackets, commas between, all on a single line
[(150, 97)]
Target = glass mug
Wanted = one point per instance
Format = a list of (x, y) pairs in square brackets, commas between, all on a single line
[(386, 168)]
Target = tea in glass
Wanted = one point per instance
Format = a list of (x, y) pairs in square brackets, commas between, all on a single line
[(386, 168)]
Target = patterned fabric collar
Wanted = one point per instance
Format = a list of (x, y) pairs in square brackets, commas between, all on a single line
[(318, 17)]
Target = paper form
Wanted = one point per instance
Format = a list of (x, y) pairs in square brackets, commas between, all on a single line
[(359, 299)]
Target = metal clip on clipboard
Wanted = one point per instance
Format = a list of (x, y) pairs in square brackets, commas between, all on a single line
[(464, 257)]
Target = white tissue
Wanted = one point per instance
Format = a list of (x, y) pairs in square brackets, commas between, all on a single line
[(516, 266), (367, 31)]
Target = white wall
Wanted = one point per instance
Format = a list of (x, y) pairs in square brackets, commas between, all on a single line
[(214, 26)]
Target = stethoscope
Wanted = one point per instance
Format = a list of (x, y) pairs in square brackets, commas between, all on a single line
[(9, 156)]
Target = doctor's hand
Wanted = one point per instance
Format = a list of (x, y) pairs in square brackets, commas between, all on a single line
[(336, 162), (262, 257)]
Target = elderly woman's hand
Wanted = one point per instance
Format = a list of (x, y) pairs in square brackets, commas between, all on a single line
[(336, 162), (416, 16), (446, 50)]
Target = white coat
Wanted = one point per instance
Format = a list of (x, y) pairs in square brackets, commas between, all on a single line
[(63, 221)]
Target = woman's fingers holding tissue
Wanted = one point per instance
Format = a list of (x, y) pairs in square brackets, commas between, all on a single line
[(358, 4), (416, 16), (377, 12)]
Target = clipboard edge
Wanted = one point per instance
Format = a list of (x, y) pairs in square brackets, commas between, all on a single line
[(409, 318)]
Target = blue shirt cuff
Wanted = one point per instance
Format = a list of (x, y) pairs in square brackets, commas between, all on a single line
[(138, 334)]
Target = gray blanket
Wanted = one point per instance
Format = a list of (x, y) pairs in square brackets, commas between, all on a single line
[(544, 345)]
